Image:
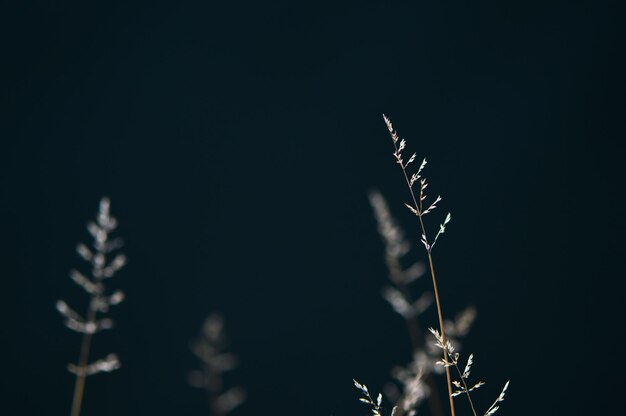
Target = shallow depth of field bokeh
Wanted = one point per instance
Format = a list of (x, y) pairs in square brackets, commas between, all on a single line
[(238, 144)]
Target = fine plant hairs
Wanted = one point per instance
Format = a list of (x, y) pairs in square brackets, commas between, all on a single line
[(103, 263), (209, 347), (417, 185)]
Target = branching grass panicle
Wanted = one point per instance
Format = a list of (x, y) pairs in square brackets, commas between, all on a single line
[(209, 347), (396, 246), (416, 206), (102, 267)]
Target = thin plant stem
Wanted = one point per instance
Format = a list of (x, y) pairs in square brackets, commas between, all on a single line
[(469, 398), (83, 360), (432, 274), (443, 337)]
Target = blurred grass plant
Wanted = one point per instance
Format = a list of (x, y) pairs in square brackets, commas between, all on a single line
[(102, 267), (209, 347)]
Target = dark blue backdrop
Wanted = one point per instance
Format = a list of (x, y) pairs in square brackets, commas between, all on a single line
[(238, 143)]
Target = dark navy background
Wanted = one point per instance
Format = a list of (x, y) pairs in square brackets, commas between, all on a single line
[(238, 143)]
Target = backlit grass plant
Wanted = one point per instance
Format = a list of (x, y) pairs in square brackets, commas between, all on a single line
[(420, 207), (104, 261)]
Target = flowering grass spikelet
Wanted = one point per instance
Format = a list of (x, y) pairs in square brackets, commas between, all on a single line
[(209, 348), (102, 268), (367, 399)]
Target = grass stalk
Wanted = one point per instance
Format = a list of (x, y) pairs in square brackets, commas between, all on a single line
[(443, 336), (418, 210), (450, 357), (467, 392), (83, 361), (99, 301)]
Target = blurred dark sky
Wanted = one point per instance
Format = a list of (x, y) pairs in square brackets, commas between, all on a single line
[(238, 143)]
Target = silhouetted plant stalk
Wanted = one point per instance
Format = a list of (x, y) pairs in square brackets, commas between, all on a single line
[(209, 348), (99, 302)]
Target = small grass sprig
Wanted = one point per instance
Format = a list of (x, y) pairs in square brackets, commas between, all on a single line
[(461, 384), (102, 268), (367, 399), (209, 347)]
